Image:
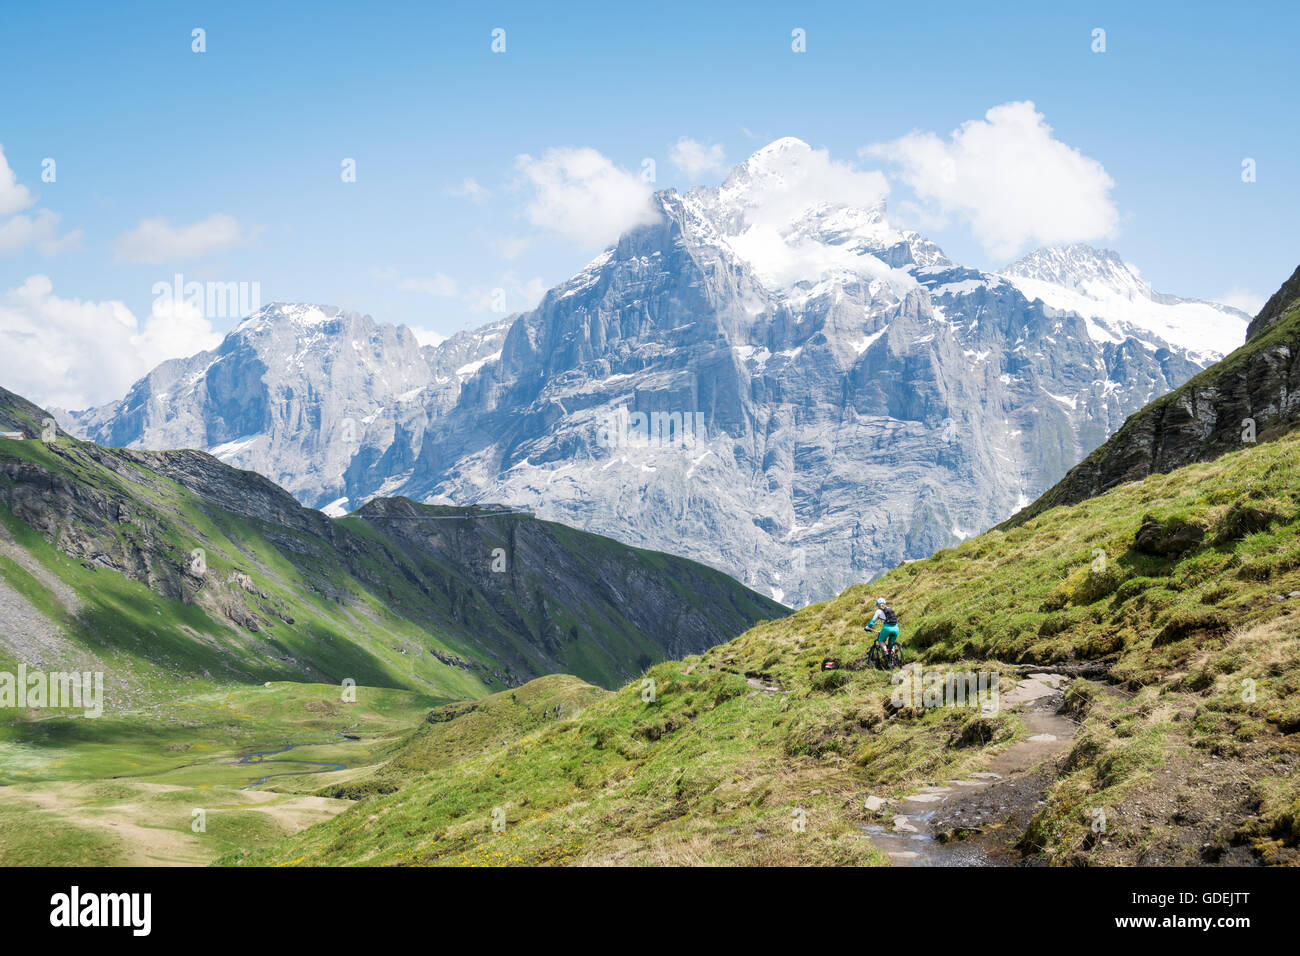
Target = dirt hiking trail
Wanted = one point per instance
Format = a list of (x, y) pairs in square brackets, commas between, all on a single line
[(977, 820)]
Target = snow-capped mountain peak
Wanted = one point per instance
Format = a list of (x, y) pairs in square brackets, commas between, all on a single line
[(769, 160), (1118, 303), (1083, 269), (297, 314), (794, 215), (787, 181)]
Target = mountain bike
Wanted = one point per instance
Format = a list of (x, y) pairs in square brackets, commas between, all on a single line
[(885, 657)]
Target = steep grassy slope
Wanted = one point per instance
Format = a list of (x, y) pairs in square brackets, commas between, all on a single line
[(1204, 417), (541, 597), (462, 729), (171, 568), (1184, 587)]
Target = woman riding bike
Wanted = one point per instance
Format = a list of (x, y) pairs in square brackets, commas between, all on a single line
[(888, 619)]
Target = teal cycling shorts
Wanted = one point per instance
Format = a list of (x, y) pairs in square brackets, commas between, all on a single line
[(888, 632)]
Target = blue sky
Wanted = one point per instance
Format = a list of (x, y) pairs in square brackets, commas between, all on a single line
[(253, 131)]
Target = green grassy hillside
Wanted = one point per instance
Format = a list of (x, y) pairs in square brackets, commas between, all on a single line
[(123, 601), (171, 569), (1184, 587), (462, 729)]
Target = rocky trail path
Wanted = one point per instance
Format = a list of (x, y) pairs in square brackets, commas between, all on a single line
[(977, 820)]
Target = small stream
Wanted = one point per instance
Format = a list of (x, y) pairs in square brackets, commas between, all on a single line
[(260, 757)]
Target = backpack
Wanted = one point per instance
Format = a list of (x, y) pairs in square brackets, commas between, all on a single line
[(891, 618)]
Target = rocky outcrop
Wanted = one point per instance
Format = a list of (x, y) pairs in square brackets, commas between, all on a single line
[(1277, 306)]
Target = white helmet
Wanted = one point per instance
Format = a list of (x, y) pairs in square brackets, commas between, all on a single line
[(881, 602)]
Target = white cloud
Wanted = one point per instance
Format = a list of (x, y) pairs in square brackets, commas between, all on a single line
[(511, 247), (14, 197), (427, 336), (787, 178), (695, 159), (510, 294), (159, 242), (1008, 179), (1244, 299), (173, 329), (779, 185), (38, 228), (438, 285), (583, 196), (471, 189), (528, 292), (74, 354)]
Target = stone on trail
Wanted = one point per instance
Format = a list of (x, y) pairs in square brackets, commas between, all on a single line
[(902, 826), (1042, 738), (1027, 691), (874, 804), (925, 798)]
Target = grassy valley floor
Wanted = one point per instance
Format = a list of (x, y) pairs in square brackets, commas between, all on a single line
[(124, 788)]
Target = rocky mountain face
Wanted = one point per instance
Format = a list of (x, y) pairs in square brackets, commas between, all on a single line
[(1277, 306), (1251, 396), (244, 583), (317, 399), (786, 387)]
